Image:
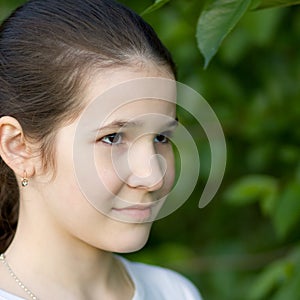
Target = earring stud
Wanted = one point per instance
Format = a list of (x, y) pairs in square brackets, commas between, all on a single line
[(24, 180)]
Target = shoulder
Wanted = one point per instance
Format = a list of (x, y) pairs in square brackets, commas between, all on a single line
[(160, 283)]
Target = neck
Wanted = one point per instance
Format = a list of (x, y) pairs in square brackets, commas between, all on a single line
[(63, 264)]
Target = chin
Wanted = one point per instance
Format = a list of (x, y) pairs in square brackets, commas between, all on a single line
[(133, 240), (130, 248)]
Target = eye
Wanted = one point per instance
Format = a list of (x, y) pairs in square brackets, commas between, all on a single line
[(161, 138), (112, 139)]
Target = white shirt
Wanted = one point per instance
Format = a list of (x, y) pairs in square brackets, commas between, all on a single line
[(151, 283)]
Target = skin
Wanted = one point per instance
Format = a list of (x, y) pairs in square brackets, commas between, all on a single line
[(63, 245)]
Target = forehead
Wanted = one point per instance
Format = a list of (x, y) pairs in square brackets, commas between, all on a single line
[(150, 110), (126, 93), (107, 79)]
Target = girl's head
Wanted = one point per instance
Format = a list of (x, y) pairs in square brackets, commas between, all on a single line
[(50, 51)]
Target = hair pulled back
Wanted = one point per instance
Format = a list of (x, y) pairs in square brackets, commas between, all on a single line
[(46, 49)]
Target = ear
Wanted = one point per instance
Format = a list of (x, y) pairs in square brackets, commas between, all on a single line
[(14, 149)]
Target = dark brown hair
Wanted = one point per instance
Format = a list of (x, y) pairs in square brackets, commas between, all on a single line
[(47, 47)]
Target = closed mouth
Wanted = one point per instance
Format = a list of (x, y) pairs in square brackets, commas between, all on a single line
[(138, 212)]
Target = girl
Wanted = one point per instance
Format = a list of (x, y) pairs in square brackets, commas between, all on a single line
[(56, 57)]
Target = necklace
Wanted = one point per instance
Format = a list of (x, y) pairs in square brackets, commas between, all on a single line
[(15, 277), (33, 296)]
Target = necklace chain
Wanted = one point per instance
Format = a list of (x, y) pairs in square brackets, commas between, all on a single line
[(15, 277), (28, 291)]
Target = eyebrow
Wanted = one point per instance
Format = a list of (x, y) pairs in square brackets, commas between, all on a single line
[(123, 123)]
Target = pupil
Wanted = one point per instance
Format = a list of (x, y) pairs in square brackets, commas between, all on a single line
[(160, 138)]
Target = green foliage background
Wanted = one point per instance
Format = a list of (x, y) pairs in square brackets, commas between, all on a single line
[(245, 243)]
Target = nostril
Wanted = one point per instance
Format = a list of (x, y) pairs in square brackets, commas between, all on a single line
[(148, 174)]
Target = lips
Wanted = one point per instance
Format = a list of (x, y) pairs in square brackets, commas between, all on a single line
[(139, 213), (136, 212)]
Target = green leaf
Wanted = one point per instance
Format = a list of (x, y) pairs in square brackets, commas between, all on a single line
[(272, 277), (250, 189), (156, 5), (255, 4), (273, 3), (287, 212), (290, 290), (215, 23)]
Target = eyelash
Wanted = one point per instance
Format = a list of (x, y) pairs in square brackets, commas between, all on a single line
[(115, 138), (166, 136)]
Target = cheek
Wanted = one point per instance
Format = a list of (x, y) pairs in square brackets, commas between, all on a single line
[(107, 174), (169, 177), (170, 174)]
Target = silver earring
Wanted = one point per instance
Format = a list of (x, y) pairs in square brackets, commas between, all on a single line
[(24, 180)]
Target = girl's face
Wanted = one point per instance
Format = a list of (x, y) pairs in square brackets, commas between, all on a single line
[(134, 165)]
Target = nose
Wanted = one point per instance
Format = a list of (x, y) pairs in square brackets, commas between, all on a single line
[(147, 168)]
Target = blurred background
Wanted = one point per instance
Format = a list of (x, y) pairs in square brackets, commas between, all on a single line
[(245, 243)]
